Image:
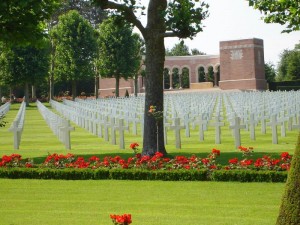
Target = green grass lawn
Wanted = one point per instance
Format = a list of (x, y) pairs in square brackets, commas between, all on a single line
[(37, 202), (45, 202)]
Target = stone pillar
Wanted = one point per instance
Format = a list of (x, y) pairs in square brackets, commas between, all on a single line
[(242, 64), (171, 80), (180, 78)]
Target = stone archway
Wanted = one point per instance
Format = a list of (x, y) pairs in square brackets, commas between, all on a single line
[(201, 74), (175, 77), (185, 77)]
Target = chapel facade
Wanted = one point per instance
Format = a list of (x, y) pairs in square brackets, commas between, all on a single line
[(240, 65)]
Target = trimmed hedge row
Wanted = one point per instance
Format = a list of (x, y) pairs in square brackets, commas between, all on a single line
[(131, 174)]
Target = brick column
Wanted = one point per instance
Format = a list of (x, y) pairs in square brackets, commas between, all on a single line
[(242, 64)]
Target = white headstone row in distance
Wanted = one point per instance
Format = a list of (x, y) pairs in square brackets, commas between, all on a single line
[(18, 125), (60, 126)]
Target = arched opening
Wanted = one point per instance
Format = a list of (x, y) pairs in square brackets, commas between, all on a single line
[(166, 78), (210, 74), (175, 78), (201, 74), (185, 78)]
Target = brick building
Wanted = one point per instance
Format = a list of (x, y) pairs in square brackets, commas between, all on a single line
[(240, 65)]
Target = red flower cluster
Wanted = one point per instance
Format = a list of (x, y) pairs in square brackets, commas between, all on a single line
[(134, 146), (124, 219), (13, 160), (264, 163), (156, 162), (246, 151)]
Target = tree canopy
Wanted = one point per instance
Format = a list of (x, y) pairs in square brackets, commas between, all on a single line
[(176, 18), (284, 12), (119, 55), (289, 65), (24, 65), (21, 21), (75, 49)]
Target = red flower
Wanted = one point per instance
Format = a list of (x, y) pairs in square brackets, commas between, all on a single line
[(205, 161), (285, 156), (215, 151), (233, 161), (134, 145)]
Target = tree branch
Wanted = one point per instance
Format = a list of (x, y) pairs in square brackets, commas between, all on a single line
[(127, 12), (170, 34)]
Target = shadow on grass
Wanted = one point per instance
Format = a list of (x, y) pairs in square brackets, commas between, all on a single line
[(222, 159)]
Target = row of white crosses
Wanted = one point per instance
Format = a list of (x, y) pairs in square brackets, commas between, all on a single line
[(4, 108), (265, 108), (236, 110), (59, 126), (103, 122), (18, 125)]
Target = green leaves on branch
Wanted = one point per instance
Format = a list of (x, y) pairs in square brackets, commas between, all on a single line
[(284, 12), (184, 18), (22, 21)]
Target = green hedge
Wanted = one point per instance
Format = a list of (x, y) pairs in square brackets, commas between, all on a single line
[(248, 176), (131, 174)]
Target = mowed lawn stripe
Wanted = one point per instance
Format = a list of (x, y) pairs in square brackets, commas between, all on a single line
[(149, 202)]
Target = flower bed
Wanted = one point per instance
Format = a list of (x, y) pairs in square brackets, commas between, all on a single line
[(156, 162), (156, 167)]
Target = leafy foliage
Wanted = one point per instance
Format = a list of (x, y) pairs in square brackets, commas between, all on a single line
[(75, 49), (290, 210), (289, 65), (21, 21), (22, 65), (182, 17), (284, 12), (270, 72), (119, 50)]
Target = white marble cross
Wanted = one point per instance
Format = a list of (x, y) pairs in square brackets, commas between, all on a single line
[(236, 127), (202, 123), (217, 124), (120, 127), (274, 123), (177, 127)]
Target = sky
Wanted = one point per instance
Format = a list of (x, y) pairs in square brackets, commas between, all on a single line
[(233, 20)]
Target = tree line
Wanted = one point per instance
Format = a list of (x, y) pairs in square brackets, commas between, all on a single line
[(80, 43)]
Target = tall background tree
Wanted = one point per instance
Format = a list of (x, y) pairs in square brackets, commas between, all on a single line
[(24, 65), (75, 49), (175, 18), (119, 55), (289, 65), (87, 10), (284, 12)]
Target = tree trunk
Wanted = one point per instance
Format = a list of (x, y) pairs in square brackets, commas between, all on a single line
[(27, 93), (117, 86), (51, 78), (33, 91), (96, 86), (136, 84), (74, 89), (155, 57)]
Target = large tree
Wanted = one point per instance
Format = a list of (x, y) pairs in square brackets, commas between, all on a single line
[(75, 49), (289, 65), (22, 21), (176, 18), (24, 65), (284, 12), (119, 56)]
